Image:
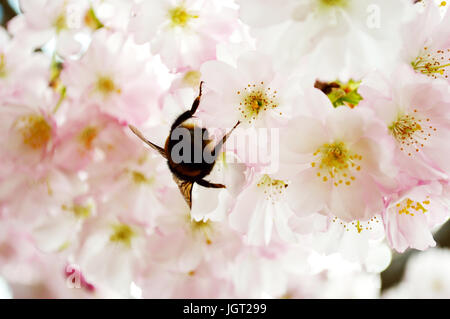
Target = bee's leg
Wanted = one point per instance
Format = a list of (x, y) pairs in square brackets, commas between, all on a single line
[(205, 183), (219, 145), (196, 102), (188, 114)]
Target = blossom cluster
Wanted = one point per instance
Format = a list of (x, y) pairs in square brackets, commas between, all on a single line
[(352, 94)]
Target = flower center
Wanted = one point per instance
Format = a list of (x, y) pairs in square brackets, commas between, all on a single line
[(91, 20), (179, 17), (139, 178), (333, 3), (411, 131), (255, 99), (337, 163), (357, 225), (79, 211), (35, 131), (87, 136), (60, 23), (202, 228), (106, 86), (433, 63), (192, 78), (273, 188), (409, 207), (2, 65), (122, 233)]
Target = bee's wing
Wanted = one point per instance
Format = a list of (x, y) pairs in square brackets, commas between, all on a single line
[(185, 189), (154, 146)]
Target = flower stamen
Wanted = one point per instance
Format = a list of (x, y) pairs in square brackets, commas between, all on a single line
[(179, 17), (202, 228), (357, 225), (255, 99), (60, 23), (139, 178), (79, 211), (273, 188), (35, 131), (433, 64), (106, 86), (332, 3), (412, 132), (336, 163), (87, 136), (409, 207), (122, 233)]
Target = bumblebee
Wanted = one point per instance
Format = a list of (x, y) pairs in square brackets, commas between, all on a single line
[(195, 166)]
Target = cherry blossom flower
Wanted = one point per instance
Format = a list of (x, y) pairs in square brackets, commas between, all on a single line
[(28, 130), (337, 26), (131, 189), (111, 14), (214, 204), (339, 155), (89, 138), (191, 241), (44, 20), (257, 96), (410, 217), (340, 167), (116, 75), (416, 117), (202, 282), (261, 211), (340, 278), (58, 233), (266, 272), (21, 70), (109, 252), (32, 197), (184, 33), (426, 42)]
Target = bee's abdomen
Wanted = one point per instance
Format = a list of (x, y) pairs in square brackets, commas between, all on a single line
[(189, 151)]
